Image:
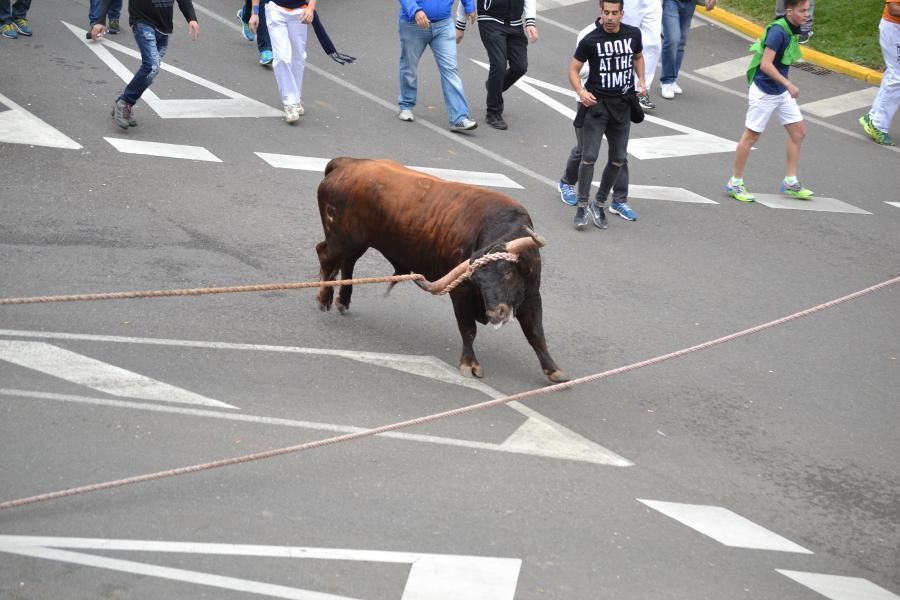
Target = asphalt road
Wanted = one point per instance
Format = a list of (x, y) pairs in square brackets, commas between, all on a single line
[(595, 492)]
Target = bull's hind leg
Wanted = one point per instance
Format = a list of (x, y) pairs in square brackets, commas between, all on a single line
[(347, 264), (328, 264)]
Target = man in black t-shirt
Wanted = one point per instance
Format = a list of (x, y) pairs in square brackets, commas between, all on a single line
[(616, 71)]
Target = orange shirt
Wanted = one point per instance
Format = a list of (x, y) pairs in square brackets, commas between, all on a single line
[(886, 15)]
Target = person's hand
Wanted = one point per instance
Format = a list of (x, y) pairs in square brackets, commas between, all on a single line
[(194, 30), (472, 16), (253, 23), (307, 14), (459, 35), (98, 31), (532, 33), (710, 4), (793, 90), (341, 58), (422, 20), (640, 88), (586, 98)]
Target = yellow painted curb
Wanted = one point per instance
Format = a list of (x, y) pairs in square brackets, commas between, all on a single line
[(821, 59)]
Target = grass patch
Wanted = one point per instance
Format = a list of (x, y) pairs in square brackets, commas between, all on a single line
[(843, 30)]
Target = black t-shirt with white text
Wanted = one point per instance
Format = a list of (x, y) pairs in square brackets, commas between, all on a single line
[(610, 58)]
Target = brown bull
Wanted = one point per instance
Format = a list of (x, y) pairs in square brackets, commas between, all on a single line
[(423, 224)]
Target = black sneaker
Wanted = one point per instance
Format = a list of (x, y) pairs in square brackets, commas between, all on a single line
[(113, 26), (581, 218), (645, 102), (120, 113), (496, 121), (597, 215)]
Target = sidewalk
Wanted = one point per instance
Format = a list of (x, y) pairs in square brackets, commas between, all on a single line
[(821, 59)]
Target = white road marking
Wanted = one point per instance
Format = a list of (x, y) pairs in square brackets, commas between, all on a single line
[(160, 149), (431, 576), (691, 142), (723, 71), (95, 374), (555, 441), (232, 106), (551, 4), (836, 105), (724, 526), (836, 587), (897, 204), (818, 203), (18, 126), (658, 192), (312, 163)]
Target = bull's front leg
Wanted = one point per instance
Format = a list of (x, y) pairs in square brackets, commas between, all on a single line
[(530, 317), (464, 309)]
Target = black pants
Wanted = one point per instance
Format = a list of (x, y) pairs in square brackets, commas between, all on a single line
[(505, 44), (580, 165)]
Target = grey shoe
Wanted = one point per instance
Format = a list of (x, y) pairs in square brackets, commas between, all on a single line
[(581, 218), (465, 124), (130, 117), (120, 112), (597, 215), (406, 115)]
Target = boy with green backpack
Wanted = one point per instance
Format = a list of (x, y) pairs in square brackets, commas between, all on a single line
[(771, 91)]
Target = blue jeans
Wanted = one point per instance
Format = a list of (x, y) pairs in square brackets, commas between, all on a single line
[(17, 11), (115, 10), (152, 45), (676, 23), (441, 36)]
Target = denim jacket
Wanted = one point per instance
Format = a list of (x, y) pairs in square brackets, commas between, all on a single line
[(435, 10)]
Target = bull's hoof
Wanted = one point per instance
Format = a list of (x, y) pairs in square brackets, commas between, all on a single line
[(557, 376), (341, 308), (323, 307), (473, 370)]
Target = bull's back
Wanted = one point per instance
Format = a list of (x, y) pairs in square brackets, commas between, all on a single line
[(425, 223)]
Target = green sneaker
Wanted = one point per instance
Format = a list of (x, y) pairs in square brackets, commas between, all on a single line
[(8, 30), (796, 190), (880, 137), (739, 192)]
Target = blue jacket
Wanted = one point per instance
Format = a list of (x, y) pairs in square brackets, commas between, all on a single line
[(435, 10)]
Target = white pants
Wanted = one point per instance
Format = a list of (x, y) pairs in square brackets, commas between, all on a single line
[(646, 15), (885, 105), (288, 37)]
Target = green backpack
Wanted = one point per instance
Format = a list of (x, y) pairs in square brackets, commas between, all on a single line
[(791, 54)]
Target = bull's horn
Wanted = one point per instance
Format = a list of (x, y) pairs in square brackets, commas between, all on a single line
[(520, 245), (437, 287)]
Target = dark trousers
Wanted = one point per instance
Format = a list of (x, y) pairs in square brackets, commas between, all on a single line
[(262, 31), (588, 138), (505, 45)]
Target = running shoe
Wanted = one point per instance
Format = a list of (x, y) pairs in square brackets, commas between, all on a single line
[(597, 215), (739, 192), (796, 190), (581, 217), (245, 28), (567, 193), (623, 210), (22, 27), (880, 137)]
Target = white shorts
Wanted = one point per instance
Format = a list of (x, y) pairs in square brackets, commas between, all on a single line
[(762, 105)]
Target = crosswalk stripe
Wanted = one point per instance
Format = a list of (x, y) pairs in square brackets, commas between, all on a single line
[(818, 203), (313, 163), (18, 126), (725, 526), (161, 149), (723, 71), (897, 204), (828, 107), (837, 587)]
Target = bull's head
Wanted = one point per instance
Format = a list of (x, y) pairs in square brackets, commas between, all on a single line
[(501, 282)]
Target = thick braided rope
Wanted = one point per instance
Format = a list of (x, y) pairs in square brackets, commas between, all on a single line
[(450, 413), (213, 290), (477, 264)]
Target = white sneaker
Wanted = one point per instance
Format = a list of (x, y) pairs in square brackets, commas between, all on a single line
[(290, 113), (466, 124), (667, 91), (298, 108), (677, 88), (406, 115)]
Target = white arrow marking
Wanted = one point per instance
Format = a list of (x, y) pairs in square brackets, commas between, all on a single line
[(160, 149), (692, 141), (724, 71), (725, 526), (897, 204), (837, 587), (312, 163), (95, 374), (557, 441), (431, 577), (233, 105), (817, 203), (18, 126)]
